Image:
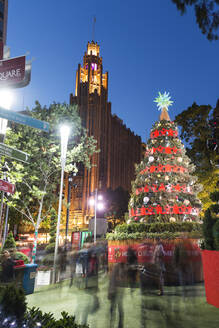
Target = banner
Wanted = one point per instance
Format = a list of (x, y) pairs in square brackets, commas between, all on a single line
[(145, 251)]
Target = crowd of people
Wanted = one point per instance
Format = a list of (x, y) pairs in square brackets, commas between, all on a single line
[(82, 268)]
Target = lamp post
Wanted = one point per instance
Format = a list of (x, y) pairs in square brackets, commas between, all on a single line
[(6, 99), (70, 179), (64, 132), (100, 206)]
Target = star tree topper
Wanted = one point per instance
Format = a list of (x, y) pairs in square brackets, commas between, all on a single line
[(163, 101)]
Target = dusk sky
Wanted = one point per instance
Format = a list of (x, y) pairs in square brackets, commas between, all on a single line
[(146, 46)]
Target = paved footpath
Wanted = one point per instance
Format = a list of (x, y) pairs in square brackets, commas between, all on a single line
[(148, 310)]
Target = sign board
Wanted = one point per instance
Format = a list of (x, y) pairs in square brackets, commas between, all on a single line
[(76, 239), (13, 153), (12, 71), (7, 187), (43, 278), (24, 119)]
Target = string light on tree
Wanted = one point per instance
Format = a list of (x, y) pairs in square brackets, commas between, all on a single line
[(166, 170)]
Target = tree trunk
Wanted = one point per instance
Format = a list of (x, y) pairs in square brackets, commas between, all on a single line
[(36, 230), (34, 245)]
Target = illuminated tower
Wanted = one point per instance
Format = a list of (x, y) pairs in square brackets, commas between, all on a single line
[(119, 147)]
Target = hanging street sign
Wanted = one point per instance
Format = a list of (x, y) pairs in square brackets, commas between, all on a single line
[(12, 71), (24, 119), (7, 187), (13, 153)]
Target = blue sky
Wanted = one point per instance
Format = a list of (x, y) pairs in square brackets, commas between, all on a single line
[(146, 45)]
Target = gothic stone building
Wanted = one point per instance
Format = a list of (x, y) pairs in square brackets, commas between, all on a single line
[(119, 147)]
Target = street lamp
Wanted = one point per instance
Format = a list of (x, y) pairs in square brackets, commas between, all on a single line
[(96, 202), (70, 179), (6, 99), (64, 132)]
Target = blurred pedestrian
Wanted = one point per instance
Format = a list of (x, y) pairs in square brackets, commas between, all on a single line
[(91, 284), (183, 263), (116, 293), (132, 263), (73, 261), (158, 260), (62, 262)]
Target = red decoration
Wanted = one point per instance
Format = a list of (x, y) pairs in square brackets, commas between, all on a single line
[(167, 150), (163, 187), (164, 132), (164, 168), (175, 209)]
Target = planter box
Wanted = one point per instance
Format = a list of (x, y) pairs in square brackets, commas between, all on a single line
[(117, 253), (211, 276)]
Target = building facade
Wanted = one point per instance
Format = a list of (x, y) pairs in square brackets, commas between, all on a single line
[(3, 20), (119, 147)]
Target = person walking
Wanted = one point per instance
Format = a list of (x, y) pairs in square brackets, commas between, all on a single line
[(158, 260)]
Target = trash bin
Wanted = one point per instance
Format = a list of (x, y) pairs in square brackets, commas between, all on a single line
[(29, 278), (19, 267)]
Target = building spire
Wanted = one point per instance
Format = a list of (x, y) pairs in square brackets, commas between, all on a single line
[(93, 28)]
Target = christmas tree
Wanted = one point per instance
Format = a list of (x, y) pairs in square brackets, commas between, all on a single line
[(164, 189)]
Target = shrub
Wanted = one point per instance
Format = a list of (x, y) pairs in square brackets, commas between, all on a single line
[(50, 248), (14, 301), (9, 242), (216, 235), (21, 256), (48, 260), (34, 317), (158, 227), (211, 224)]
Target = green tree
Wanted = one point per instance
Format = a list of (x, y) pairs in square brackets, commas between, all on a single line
[(9, 242), (211, 224), (206, 13), (117, 205), (195, 132), (36, 182)]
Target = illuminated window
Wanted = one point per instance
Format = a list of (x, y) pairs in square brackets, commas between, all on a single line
[(93, 66)]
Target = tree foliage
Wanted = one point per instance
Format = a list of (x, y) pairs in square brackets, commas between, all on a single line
[(117, 205), (37, 181), (206, 13), (195, 132), (211, 224), (9, 242)]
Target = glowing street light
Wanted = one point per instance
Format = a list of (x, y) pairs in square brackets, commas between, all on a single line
[(64, 132), (6, 100), (96, 202)]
